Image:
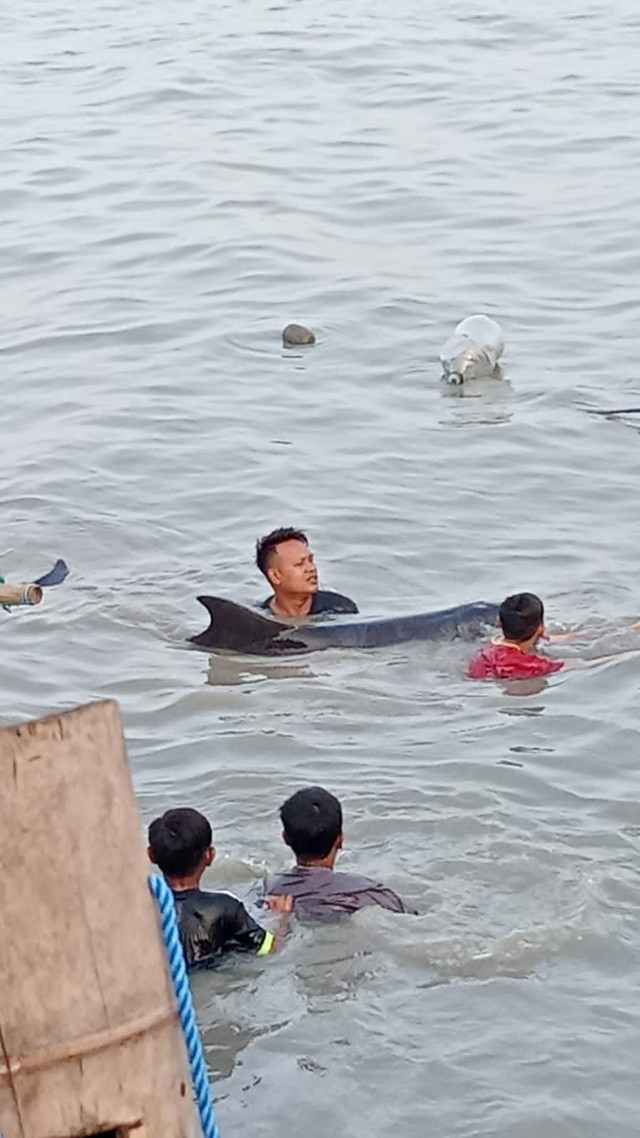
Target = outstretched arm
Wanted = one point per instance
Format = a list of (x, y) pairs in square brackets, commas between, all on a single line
[(629, 655), (585, 634), (560, 637)]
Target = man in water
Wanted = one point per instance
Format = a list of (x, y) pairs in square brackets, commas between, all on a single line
[(288, 564), (210, 923), (312, 827)]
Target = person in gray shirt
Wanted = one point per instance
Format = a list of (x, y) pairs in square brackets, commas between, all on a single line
[(312, 827)]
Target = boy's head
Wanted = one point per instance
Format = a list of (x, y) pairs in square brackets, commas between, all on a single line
[(180, 843), (522, 617), (312, 825)]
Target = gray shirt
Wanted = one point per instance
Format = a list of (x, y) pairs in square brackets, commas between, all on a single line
[(324, 895)]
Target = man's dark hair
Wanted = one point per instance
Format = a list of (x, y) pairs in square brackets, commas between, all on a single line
[(265, 546), (179, 840), (312, 821), (520, 615)]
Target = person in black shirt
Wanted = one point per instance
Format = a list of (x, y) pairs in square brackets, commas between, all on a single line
[(288, 564), (210, 923)]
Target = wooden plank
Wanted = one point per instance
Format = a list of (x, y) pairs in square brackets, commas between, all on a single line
[(88, 1034)]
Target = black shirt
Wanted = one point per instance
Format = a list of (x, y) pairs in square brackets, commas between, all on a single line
[(213, 923), (324, 601)]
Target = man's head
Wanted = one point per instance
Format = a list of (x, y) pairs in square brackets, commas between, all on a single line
[(287, 562), (522, 617), (180, 843), (312, 825)]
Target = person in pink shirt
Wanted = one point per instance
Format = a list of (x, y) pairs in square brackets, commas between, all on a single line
[(513, 656)]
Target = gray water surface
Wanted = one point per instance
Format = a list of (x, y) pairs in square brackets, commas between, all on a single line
[(178, 182)]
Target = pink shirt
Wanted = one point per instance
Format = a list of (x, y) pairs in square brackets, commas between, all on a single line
[(506, 662)]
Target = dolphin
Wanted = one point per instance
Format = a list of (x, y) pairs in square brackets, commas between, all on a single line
[(239, 629)]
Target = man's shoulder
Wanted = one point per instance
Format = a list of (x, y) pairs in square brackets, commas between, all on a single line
[(370, 891), (220, 900), (325, 600), (355, 882)]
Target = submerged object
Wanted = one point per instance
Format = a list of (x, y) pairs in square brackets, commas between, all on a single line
[(473, 350), (88, 1019), (617, 411), (239, 629), (297, 335)]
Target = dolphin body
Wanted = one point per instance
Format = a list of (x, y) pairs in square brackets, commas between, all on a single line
[(238, 629)]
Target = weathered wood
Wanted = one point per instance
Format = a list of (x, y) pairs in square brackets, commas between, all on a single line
[(20, 594), (89, 1037)]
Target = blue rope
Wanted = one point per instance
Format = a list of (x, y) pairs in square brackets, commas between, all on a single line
[(177, 967)]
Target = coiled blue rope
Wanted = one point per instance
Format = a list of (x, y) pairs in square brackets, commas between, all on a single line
[(177, 967)]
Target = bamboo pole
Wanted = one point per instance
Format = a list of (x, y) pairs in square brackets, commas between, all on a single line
[(20, 594), (89, 1036)]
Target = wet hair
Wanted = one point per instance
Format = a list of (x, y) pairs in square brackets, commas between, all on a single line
[(521, 615), (265, 546), (312, 822), (179, 840)]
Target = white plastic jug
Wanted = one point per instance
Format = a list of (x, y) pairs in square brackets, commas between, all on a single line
[(473, 350)]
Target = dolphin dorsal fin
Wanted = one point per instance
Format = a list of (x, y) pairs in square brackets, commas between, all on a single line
[(235, 627)]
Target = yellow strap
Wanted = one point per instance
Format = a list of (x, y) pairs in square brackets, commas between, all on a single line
[(265, 947)]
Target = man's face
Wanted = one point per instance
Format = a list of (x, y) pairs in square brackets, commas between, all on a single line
[(292, 569)]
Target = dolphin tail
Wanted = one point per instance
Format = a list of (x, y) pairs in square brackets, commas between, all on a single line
[(238, 629), (55, 576)]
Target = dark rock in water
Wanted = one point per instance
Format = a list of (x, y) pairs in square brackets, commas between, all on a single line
[(297, 334)]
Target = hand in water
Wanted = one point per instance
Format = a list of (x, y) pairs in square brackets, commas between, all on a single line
[(585, 634), (283, 906), (280, 904)]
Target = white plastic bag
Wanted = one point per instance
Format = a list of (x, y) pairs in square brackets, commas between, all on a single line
[(473, 350)]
